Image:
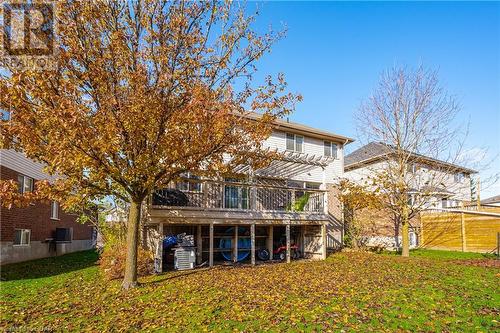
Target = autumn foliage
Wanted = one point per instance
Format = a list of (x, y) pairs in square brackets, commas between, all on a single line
[(112, 261), (351, 292), (355, 199), (142, 92)]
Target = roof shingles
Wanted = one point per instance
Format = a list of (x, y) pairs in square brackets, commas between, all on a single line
[(375, 150)]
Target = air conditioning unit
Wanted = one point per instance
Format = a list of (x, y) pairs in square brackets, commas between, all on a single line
[(184, 258)]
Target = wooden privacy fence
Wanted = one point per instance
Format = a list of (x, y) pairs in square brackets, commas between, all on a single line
[(461, 229)]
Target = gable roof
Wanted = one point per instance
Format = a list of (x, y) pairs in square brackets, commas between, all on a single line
[(288, 126), (375, 151), (491, 200)]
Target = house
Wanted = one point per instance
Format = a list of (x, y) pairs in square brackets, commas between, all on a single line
[(290, 204), (491, 201), (41, 229), (435, 184)]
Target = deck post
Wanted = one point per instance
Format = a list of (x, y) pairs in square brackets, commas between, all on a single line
[(253, 191), (287, 227), (159, 251), (211, 245), (323, 241), (199, 247), (252, 243), (325, 194), (235, 244), (270, 238)]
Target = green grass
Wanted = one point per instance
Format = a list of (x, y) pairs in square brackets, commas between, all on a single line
[(431, 291), (445, 255)]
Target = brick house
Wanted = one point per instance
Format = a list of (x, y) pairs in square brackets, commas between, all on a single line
[(42, 229)]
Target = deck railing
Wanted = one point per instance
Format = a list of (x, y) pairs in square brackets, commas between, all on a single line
[(205, 194)]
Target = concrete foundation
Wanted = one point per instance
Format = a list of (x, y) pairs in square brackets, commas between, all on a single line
[(10, 253)]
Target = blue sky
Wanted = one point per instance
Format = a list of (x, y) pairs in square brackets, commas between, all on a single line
[(334, 53)]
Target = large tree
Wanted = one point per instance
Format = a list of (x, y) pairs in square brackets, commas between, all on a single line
[(143, 91), (413, 118)]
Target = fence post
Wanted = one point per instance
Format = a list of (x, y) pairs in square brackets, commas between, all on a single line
[(462, 222), (498, 245)]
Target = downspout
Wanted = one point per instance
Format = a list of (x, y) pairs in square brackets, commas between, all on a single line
[(342, 215)]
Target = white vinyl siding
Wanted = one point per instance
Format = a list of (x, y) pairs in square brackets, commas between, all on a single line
[(18, 162), (311, 146), (461, 191)]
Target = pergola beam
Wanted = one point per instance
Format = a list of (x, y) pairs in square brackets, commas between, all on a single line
[(289, 161)]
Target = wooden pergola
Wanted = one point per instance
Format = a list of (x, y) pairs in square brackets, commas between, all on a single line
[(289, 165)]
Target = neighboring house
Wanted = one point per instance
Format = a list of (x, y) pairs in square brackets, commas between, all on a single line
[(292, 201), (41, 229), (435, 184), (492, 201)]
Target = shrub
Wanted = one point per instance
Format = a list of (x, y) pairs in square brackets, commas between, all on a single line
[(112, 261), (114, 253)]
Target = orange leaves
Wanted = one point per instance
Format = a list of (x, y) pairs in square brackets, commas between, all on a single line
[(10, 195), (143, 93), (357, 196), (349, 291)]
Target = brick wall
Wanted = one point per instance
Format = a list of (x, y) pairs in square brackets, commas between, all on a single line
[(37, 218)]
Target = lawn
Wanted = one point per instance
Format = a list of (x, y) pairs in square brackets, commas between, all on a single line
[(350, 290)]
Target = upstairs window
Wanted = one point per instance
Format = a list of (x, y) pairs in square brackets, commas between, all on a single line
[(330, 149), (459, 177), (294, 142), (411, 168), (25, 184), (22, 237), (54, 210)]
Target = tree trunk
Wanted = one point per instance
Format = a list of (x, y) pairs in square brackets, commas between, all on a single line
[(396, 234), (405, 233), (134, 217)]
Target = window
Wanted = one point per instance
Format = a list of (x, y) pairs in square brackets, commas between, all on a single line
[(295, 184), (411, 168), (25, 184), (330, 149), (235, 196), (290, 141), (448, 203), (54, 210), (22, 236), (294, 142), (411, 200), (459, 177), (189, 186), (313, 186)]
